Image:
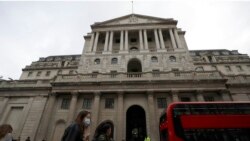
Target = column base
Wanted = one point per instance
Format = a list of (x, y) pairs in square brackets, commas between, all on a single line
[(161, 50), (144, 51), (123, 52), (91, 53), (106, 52)]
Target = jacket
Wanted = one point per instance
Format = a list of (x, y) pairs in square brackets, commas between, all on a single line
[(73, 133)]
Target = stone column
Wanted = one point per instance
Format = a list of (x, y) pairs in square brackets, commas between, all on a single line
[(145, 39), (121, 41), (120, 117), (96, 41), (72, 107), (162, 40), (157, 40), (177, 38), (91, 42), (126, 40), (95, 112), (225, 95), (199, 94), (141, 40), (175, 95), (45, 121), (106, 42), (153, 131), (111, 41), (172, 38), (5, 101)]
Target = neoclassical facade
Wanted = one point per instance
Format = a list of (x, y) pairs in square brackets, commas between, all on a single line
[(130, 69)]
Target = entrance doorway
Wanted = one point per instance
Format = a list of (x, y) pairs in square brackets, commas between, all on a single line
[(134, 65), (135, 124)]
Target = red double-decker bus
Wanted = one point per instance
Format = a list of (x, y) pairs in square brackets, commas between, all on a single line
[(206, 121)]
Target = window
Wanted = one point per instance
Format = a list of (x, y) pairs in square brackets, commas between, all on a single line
[(103, 41), (227, 68), (30, 74), (176, 72), (97, 61), (172, 59), (47, 73), (161, 102), (208, 98), (133, 49), (210, 58), (185, 99), (38, 73), (94, 74), (150, 39), (117, 41), (59, 72), (133, 40), (114, 61), (71, 71), (109, 103), (239, 68), (65, 103), (113, 74), (154, 59), (87, 102), (199, 69), (156, 73)]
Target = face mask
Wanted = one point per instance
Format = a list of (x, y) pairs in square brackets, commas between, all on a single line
[(86, 121)]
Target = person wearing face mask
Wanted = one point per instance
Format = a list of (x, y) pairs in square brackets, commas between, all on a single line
[(77, 130), (86, 123), (5, 132)]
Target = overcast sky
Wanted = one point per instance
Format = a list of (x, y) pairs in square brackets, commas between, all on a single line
[(29, 30)]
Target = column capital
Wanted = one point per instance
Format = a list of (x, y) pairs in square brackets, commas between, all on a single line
[(97, 93), (74, 93), (120, 93), (174, 91), (199, 91), (52, 94), (150, 92), (224, 91)]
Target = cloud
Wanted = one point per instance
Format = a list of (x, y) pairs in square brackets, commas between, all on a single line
[(29, 30)]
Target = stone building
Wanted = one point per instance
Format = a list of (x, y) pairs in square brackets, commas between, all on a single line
[(130, 69)]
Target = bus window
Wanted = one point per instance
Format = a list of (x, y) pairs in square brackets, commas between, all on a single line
[(207, 122)]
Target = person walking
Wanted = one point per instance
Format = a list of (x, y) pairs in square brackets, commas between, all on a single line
[(28, 139), (76, 130), (104, 133), (6, 132)]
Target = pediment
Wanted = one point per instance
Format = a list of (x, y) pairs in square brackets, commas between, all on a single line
[(133, 19)]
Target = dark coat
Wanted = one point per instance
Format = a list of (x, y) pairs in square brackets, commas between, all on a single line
[(103, 137), (73, 133)]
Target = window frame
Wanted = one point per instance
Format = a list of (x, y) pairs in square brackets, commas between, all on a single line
[(65, 103), (109, 103), (87, 103)]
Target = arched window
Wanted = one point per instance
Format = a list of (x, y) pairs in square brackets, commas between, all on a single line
[(97, 61), (114, 61), (133, 49), (172, 59), (199, 69), (154, 59)]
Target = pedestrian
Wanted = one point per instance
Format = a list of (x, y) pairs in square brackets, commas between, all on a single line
[(6, 132), (147, 138), (104, 133), (76, 130), (28, 139)]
